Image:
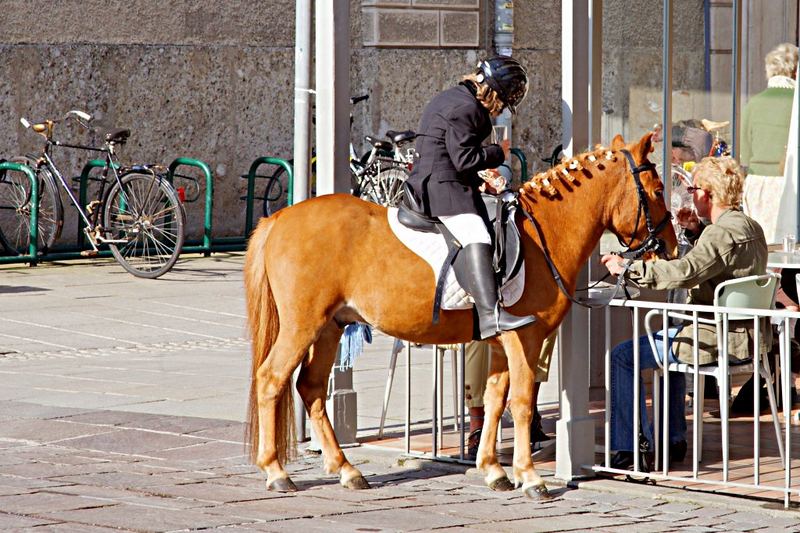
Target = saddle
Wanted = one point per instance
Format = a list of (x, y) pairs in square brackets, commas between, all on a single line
[(505, 235)]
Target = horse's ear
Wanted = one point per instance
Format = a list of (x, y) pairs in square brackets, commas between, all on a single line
[(617, 143), (645, 145)]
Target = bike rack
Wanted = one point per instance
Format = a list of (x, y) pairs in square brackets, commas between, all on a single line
[(251, 187), (206, 248), (523, 162), (32, 256)]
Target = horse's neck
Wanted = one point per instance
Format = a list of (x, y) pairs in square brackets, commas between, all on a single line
[(572, 228)]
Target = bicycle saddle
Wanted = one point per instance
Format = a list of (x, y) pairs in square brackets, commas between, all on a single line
[(379, 144), (117, 135), (398, 137)]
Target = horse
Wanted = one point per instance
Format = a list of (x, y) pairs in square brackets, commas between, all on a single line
[(317, 266)]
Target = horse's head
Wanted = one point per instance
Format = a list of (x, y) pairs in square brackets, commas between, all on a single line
[(638, 214)]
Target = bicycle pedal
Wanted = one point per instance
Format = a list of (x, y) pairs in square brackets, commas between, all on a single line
[(89, 253)]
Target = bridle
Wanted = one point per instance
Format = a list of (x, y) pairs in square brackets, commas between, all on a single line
[(651, 243)]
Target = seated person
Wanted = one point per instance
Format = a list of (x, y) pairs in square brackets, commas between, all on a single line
[(731, 246), (690, 141)]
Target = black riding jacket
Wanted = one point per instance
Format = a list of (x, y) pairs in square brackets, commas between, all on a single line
[(445, 178)]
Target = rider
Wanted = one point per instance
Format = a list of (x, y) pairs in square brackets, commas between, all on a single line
[(445, 181)]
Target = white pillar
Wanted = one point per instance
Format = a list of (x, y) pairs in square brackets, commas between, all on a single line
[(581, 84), (333, 95), (332, 23), (302, 99)]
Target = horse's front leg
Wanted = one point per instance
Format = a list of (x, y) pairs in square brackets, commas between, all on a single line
[(494, 400), (312, 384), (522, 356)]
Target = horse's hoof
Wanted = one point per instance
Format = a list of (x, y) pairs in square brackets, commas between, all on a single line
[(283, 484), (357, 483), (501, 484), (538, 493)]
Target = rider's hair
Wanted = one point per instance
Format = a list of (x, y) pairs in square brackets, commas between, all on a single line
[(723, 178), (781, 61), (485, 94)]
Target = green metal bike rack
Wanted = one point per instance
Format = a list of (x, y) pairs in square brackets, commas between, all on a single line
[(523, 162), (206, 247), (32, 256), (251, 187)]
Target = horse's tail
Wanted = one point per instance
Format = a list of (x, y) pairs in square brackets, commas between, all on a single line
[(263, 322)]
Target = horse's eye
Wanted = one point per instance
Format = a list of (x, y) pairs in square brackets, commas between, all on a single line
[(659, 193)]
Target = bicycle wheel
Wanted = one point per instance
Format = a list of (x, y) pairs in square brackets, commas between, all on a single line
[(386, 188), (15, 209), (144, 222)]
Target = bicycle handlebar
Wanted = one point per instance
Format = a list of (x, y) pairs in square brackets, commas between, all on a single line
[(81, 117)]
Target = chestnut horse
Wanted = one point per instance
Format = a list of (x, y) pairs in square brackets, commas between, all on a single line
[(319, 265)]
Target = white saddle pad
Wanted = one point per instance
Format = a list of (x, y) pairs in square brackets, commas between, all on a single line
[(432, 248)]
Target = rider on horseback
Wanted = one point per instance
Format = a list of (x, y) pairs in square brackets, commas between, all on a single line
[(445, 181)]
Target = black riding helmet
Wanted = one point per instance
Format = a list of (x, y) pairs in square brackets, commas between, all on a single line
[(507, 77)]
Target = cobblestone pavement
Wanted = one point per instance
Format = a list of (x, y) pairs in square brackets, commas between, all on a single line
[(121, 407)]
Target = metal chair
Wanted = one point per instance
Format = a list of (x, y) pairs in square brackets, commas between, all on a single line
[(438, 356), (751, 292)]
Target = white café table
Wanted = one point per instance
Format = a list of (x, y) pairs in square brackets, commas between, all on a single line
[(779, 259)]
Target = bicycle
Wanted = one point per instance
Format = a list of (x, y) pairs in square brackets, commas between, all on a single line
[(377, 176), (142, 217), (381, 176)]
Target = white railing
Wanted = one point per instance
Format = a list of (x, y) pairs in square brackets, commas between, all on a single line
[(783, 319)]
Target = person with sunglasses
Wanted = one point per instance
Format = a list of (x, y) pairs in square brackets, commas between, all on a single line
[(730, 245)]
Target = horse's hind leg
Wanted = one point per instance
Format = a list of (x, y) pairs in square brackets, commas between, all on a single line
[(312, 385), (272, 386)]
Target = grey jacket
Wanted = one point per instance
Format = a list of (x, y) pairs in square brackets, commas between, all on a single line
[(733, 247)]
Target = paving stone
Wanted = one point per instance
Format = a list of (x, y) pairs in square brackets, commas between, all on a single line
[(284, 506), (144, 518), (200, 452), (17, 522), (697, 529), (743, 526), (40, 502), (568, 522), (712, 512), (635, 512), (402, 519), (209, 492), (676, 508), (130, 441)]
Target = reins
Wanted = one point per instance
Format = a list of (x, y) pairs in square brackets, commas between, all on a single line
[(650, 243)]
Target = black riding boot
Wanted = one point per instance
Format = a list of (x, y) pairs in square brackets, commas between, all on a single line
[(474, 270)]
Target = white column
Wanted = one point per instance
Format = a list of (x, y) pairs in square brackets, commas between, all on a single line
[(581, 78), (302, 99), (333, 95)]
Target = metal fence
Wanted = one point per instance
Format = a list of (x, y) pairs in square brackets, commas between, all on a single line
[(781, 320)]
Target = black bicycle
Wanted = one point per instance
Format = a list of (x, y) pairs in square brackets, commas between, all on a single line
[(136, 211)]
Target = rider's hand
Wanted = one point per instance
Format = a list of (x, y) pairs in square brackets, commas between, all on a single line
[(615, 264), (493, 181)]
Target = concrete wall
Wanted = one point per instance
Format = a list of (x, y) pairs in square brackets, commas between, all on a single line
[(212, 79)]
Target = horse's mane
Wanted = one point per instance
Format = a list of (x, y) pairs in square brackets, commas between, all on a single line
[(567, 172)]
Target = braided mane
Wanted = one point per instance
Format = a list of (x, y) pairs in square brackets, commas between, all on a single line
[(567, 172)]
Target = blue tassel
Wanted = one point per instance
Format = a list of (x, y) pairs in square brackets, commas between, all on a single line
[(352, 343)]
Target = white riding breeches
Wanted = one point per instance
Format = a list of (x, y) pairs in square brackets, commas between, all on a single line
[(467, 228)]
